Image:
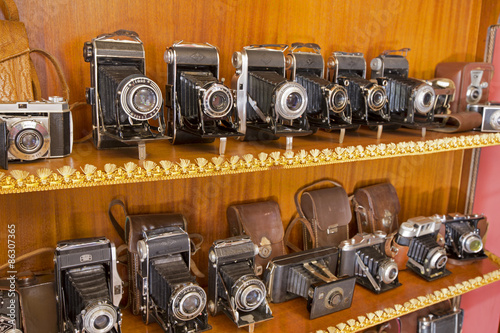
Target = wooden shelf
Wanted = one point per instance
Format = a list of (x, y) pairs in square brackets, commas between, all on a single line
[(368, 309), (197, 160)]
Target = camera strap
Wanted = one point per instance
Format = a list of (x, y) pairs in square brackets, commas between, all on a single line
[(307, 226)]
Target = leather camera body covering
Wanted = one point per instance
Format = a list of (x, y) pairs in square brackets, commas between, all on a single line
[(377, 208), (262, 222), (328, 211)]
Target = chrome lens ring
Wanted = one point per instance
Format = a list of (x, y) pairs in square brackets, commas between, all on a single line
[(495, 120), (99, 318), (471, 242), (377, 98), (249, 293), (473, 95), (132, 85), (425, 96), (388, 271), (218, 101), (437, 258), (338, 99), (334, 298), (183, 296), (21, 135), (291, 100)]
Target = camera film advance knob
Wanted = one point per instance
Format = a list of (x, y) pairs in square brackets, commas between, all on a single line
[(376, 64), (168, 56), (237, 60), (88, 51)]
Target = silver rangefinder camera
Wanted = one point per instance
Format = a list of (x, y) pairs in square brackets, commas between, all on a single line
[(34, 130), (490, 114)]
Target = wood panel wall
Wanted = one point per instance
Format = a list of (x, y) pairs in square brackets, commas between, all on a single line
[(436, 31)]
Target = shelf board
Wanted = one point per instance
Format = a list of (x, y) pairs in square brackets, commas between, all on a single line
[(201, 160), (368, 309)]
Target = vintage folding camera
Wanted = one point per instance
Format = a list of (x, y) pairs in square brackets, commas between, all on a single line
[(233, 287), (472, 82), (34, 130), (170, 294), (367, 99), (363, 256), (269, 105), (491, 117), (124, 100), (425, 256), (200, 107), (328, 103), (310, 274), (442, 321), (410, 101), (462, 238), (88, 287)]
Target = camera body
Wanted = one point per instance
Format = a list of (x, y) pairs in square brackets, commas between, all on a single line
[(367, 99), (34, 130), (462, 236), (200, 107), (124, 100), (310, 274), (410, 101), (491, 116), (442, 321), (170, 294), (425, 256), (88, 287), (233, 287), (269, 105), (472, 82), (328, 102), (363, 256)]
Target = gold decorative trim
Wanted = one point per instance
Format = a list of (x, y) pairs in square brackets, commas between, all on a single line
[(414, 304), (19, 181)]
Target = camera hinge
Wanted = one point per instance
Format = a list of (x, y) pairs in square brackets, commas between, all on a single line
[(367, 272), (257, 110)]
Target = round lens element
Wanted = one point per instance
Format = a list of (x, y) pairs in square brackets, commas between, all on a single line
[(217, 101), (290, 100), (338, 99), (101, 322), (28, 140), (471, 242), (388, 271), (473, 95), (376, 98), (249, 292), (294, 101), (144, 99), (438, 258), (188, 302), (99, 318), (424, 99)]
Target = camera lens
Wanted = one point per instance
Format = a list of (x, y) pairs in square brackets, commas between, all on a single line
[(427, 99), (424, 99), (294, 101), (376, 98), (291, 100), (144, 99), (495, 120), (29, 141), (253, 297), (217, 101), (438, 258), (472, 243), (249, 292), (101, 322), (188, 302), (99, 318), (473, 95), (335, 299), (191, 303), (388, 271), (338, 99)]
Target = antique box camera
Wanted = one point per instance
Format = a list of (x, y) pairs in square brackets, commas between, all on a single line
[(363, 256), (201, 108), (472, 82), (124, 100), (491, 116), (170, 294), (442, 321), (34, 130), (269, 105), (425, 256), (88, 287), (367, 99), (462, 236), (328, 102), (310, 274), (233, 287), (410, 101)]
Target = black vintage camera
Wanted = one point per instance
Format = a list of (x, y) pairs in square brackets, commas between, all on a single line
[(124, 100), (462, 238), (410, 101), (170, 294), (269, 105), (425, 256), (233, 287), (490, 114), (88, 288), (363, 256), (328, 103), (310, 274), (367, 99), (201, 108), (34, 130)]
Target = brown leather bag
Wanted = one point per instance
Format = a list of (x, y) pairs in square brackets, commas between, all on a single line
[(377, 208), (328, 212)]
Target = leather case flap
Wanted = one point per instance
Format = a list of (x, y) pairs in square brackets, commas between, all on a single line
[(136, 224), (329, 206), (13, 40), (379, 199)]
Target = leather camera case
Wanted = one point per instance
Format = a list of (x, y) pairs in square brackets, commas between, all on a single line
[(262, 222), (328, 211), (377, 208)]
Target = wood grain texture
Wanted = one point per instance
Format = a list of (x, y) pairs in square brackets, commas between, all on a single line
[(435, 31)]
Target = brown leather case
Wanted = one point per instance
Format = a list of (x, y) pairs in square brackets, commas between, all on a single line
[(134, 227), (396, 251), (328, 211), (377, 208), (262, 222)]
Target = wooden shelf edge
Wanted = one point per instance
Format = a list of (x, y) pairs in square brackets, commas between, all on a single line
[(380, 316), (67, 177)]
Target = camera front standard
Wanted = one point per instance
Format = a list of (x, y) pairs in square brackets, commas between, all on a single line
[(462, 236)]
